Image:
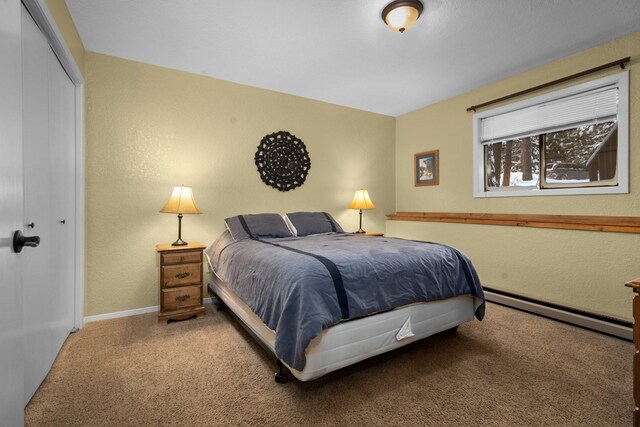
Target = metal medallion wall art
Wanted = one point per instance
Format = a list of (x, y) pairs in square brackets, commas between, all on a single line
[(283, 161)]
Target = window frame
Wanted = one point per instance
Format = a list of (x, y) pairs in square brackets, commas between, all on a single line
[(622, 80)]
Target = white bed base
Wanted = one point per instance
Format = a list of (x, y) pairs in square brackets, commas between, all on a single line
[(350, 342)]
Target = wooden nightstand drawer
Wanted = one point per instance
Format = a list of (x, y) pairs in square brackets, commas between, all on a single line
[(181, 258), (180, 275), (188, 296)]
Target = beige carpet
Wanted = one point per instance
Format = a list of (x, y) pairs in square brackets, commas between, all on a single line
[(512, 369)]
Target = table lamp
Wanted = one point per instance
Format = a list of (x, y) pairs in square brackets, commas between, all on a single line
[(361, 201), (181, 202)]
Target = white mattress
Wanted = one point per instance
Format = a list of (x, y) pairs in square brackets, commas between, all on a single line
[(352, 341)]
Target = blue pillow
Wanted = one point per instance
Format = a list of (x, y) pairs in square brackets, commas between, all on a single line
[(254, 226), (306, 223)]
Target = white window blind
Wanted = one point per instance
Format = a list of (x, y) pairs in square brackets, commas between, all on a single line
[(592, 106)]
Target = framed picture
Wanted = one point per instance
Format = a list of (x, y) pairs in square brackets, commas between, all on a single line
[(426, 168)]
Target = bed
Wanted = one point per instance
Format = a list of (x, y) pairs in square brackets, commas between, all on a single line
[(321, 299)]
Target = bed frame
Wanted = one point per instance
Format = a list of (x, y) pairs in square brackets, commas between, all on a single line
[(355, 340)]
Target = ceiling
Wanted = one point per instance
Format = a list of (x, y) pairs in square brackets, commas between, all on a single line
[(340, 51)]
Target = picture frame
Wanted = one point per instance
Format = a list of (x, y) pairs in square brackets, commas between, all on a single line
[(426, 169)]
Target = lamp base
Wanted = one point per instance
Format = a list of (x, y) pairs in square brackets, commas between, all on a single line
[(361, 231), (179, 242)]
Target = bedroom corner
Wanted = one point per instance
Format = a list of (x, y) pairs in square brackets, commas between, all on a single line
[(150, 128)]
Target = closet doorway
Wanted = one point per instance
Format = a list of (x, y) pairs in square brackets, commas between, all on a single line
[(49, 171)]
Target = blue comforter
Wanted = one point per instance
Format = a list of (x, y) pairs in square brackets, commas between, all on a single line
[(298, 286)]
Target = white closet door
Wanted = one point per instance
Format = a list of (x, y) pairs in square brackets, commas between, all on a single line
[(48, 280), (37, 213), (62, 199), (11, 323)]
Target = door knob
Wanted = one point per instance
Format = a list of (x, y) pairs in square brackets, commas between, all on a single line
[(63, 221), (20, 241), (31, 224)]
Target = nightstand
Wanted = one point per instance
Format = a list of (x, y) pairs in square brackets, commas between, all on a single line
[(373, 233), (180, 281)]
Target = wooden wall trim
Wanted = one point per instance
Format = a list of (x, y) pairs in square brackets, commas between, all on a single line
[(617, 224)]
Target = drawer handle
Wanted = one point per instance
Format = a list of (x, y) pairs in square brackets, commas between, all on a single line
[(182, 258), (182, 298), (183, 275)]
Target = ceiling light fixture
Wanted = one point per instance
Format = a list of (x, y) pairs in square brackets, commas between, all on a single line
[(400, 15)]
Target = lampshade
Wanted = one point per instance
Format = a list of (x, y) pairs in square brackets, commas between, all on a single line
[(181, 202), (401, 15), (361, 200)]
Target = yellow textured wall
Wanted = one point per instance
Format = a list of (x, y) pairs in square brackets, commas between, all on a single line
[(61, 15), (580, 269), (150, 128)]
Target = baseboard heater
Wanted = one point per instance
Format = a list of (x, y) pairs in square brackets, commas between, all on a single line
[(595, 322)]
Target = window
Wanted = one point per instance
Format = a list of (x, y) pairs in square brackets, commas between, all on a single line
[(572, 141)]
